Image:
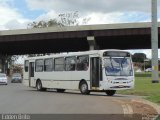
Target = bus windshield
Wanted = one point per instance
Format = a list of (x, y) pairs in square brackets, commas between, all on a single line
[(118, 66)]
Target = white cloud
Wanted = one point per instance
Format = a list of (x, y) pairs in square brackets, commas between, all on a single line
[(85, 6), (16, 24), (7, 13), (100, 18), (100, 12), (95, 18), (20, 59), (46, 16), (10, 17)]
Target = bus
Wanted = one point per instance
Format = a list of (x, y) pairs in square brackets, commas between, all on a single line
[(97, 70)]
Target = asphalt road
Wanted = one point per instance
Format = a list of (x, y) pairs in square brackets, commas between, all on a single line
[(17, 98)]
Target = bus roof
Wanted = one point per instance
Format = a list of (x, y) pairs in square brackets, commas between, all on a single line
[(73, 54)]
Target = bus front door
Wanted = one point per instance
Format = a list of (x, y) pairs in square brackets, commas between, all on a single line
[(31, 74), (96, 72)]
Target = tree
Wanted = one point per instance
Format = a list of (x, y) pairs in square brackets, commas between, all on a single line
[(7, 60), (44, 24), (64, 19), (18, 68), (139, 57)]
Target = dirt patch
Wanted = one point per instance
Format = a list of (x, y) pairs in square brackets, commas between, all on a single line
[(147, 111), (141, 108), (140, 111)]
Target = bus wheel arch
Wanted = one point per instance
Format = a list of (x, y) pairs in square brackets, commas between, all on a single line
[(83, 86), (39, 85)]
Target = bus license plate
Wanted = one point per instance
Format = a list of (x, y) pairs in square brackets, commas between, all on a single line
[(121, 86)]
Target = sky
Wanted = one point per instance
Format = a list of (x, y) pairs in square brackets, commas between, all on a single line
[(22, 12), (16, 14)]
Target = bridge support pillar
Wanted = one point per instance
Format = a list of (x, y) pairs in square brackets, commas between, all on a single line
[(3, 64), (92, 43)]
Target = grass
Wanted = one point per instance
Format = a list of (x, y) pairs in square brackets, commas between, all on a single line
[(145, 87)]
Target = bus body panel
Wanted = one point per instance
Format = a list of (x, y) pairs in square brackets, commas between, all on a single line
[(62, 79), (117, 83), (26, 78)]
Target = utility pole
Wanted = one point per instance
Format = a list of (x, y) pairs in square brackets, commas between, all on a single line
[(154, 42)]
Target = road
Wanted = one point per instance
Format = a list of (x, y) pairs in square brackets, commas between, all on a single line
[(17, 98)]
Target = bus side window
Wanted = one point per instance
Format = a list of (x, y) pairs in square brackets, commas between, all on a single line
[(59, 64), (26, 65), (82, 63), (39, 65), (70, 64), (48, 64)]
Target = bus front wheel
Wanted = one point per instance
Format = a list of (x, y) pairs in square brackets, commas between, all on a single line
[(84, 88), (110, 92), (39, 86)]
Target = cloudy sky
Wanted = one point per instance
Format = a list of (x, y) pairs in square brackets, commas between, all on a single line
[(16, 14), (21, 12)]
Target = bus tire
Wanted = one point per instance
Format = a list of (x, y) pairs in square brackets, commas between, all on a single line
[(110, 92), (39, 86), (84, 88), (60, 90)]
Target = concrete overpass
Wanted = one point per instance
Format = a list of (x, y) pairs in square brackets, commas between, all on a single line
[(76, 38)]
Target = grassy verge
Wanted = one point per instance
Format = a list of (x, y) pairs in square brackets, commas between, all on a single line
[(145, 87)]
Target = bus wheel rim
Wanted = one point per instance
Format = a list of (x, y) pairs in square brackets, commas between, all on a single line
[(39, 86), (84, 87)]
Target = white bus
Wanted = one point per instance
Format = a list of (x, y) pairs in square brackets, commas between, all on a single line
[(97, 70)]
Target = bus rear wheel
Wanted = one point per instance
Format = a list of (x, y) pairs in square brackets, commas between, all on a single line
[(39, 86), (110, 92), (60, 90), (84, 88)]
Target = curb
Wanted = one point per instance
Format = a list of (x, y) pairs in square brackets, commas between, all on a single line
[(154, 105)]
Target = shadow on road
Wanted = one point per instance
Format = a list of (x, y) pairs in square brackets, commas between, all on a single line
[(78, 93)]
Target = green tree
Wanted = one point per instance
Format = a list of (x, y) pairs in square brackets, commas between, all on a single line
[(7, 60), (44, 24), (139, 57), (64, 19), (17, 68)]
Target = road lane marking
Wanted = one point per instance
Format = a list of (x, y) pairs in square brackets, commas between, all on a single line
[(127, 109)]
